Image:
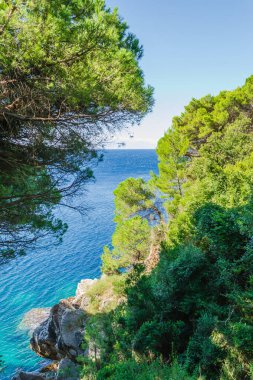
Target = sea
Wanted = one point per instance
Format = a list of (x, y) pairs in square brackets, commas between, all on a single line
[(51, 272)]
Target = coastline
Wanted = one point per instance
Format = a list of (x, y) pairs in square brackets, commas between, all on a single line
[(57, 334)]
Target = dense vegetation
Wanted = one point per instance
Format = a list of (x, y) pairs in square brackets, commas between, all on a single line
[(176, 297), (190, 315), (69, 77)]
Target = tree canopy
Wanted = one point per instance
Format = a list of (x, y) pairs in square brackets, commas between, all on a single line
[(131, 242), (69, 77), (194, 309)]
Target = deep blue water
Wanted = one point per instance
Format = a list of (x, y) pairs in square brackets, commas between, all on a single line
[(43, 277)]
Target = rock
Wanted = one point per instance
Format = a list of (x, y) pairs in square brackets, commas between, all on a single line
[(28, 376), (67, 370), (33, 318), (72, 324), (83, 286), (43, 341), (50, 368), (61, 335), (81, 299)]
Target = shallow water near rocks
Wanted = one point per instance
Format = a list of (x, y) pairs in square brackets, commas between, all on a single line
[(43, 277)]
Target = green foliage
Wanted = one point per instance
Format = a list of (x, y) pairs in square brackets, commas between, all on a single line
[(171, 151), (132, 370), (195, 301), (207, 157), (202, 352), (79, 52), (156, 337), (197, 304), (223, 233), (131, 241), (105, 294), (134, 196), (69, 78)]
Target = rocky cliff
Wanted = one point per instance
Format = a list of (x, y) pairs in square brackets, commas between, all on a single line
[(57, 334)]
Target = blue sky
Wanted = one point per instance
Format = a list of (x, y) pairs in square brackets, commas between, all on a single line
[(191, 48)]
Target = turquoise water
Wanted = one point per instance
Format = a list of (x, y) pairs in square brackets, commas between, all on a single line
[(41, 278)]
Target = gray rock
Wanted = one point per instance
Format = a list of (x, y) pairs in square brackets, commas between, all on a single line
[(43, 340), (67, 370), (81, 297), (33, 318), (72, 324), (28, 376), (58, 333), (61, 335), (83, 286)]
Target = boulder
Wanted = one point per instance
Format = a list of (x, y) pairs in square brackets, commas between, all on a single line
[(28, 376), (50, 368), (57, 334), (61, 335), (34, 318)]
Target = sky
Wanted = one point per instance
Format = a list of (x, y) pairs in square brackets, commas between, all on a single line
[(191, 48)]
